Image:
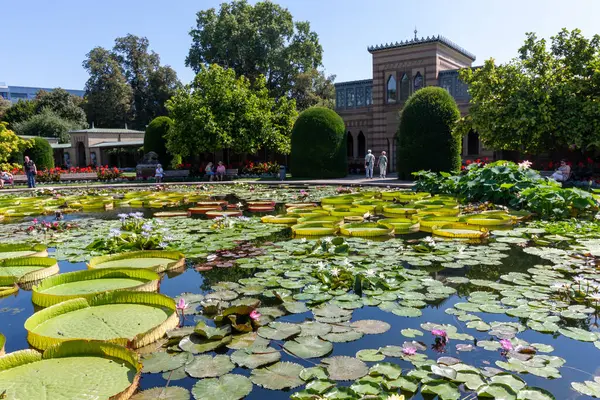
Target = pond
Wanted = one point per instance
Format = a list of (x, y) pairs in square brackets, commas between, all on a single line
[(507, 312)]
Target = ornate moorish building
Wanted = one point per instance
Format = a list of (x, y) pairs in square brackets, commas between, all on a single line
[(370, 108)]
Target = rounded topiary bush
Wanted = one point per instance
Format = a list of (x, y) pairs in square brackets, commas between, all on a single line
[(154, 139), (41, 153), (319, 145), (425, 138)]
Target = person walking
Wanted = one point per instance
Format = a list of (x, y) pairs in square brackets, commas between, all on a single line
[(30, 170), (159, 173), (369, 164), (382, 165)]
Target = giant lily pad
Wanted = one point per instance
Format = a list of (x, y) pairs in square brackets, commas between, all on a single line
[(102, 369), (366, 229), (155, 260), (15, 250), (27, 269), (89, 283), (127, 318)]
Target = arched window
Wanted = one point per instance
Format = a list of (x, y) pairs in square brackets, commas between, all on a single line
[(350, 145), (362, 144), (391, 89), (418, 83), (404, 87), (473, 143)]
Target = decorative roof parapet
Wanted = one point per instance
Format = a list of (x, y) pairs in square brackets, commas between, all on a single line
[(352, 83), (413, 42)]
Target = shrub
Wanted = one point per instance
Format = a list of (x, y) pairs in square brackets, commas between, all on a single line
[(41, 153), (319, 145), (108, 174), (154, 139), (425, 137)]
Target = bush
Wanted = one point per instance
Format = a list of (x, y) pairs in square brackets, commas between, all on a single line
[(108, 174), (425, 137), (41, 153), (319, 145), (154, 139)]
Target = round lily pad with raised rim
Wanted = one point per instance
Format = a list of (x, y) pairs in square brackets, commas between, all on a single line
[(366, 229), (314, 229), (15, 250), (203, 210), (460, 231), (170, 214), (155, 260), (217, 214), (133, 319), (25, 270), (89, 283), (102, 369), (8, 289)]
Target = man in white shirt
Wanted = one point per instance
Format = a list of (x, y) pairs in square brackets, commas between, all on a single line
[(369, 164)]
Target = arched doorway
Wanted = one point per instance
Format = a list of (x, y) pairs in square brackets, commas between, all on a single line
[(362, 144), (80, 154), (349, 145), (473, 143)]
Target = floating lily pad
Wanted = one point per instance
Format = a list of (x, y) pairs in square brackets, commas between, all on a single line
[(155, 260), (343, 368), (162, 362), (163, 393), (283, 375), (308, 347), (226, 387), (279, 330), (369, 355), (206, 366), (255, 357), (370, 326)]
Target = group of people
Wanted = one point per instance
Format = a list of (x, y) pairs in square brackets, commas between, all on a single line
[(370, 164), (218, 173), (30, 171)]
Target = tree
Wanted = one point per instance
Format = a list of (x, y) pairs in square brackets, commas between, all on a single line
[(47, 124), (256, 40), (107, 99), (20, 111), (313, 88), (63, 104), (151, 84), (10, 143), (319, 145), (222, 111), (4, 106), (41, 153), (426, 139), (154, 139), (547, 98)]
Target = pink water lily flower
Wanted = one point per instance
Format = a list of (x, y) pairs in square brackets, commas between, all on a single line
[(182, 305), (255, 315), (409, 351), (439, 332), (506, 345)]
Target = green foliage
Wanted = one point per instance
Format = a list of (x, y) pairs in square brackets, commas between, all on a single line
[(4, 106), (41, 153), (222, 111), (425, 138), (319, 145), (507, 183), (47, 124), (65, 105), (20, 111), (262, 39), (154, 139), (10, 143), (108, 97), (545, 98)]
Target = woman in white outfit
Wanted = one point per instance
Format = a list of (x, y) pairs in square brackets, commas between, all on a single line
[(563, 172), (382, 165)]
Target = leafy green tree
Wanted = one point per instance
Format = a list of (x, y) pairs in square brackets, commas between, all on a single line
[(151, 84), (108, 96), (319, 145), (255, 40), (546, 98), (312, 88), (41, 153), (154, 139), (47, 124), (63, 104), (10, 143), (20, 111), (4, 106), (222, 111), (426, 139)]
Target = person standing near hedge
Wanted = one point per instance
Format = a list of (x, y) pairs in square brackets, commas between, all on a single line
[(382, 165), (369, 164), (159, 173), (30, 170)]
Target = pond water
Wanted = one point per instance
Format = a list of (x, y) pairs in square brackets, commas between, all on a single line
[(581, 361)]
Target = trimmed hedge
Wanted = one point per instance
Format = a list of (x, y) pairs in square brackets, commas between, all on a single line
[(425, 138), (319, 145), (154, 139), (41, 153)]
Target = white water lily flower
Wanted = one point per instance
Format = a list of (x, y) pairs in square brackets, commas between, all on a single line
[(327, 239), (579, 279), (560, 286), (370, 272), (321, 265), (303, 240), (367, 215), (428, 239), (525, 164), (239, 205), (346, 263), (461, 249), (335, 271)]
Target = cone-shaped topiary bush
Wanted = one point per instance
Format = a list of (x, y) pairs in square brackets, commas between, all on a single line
[(154, 139), (319, 145), (41, 153), (425, 137)]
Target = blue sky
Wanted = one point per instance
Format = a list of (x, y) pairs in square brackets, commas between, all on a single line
[(44, 42)]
